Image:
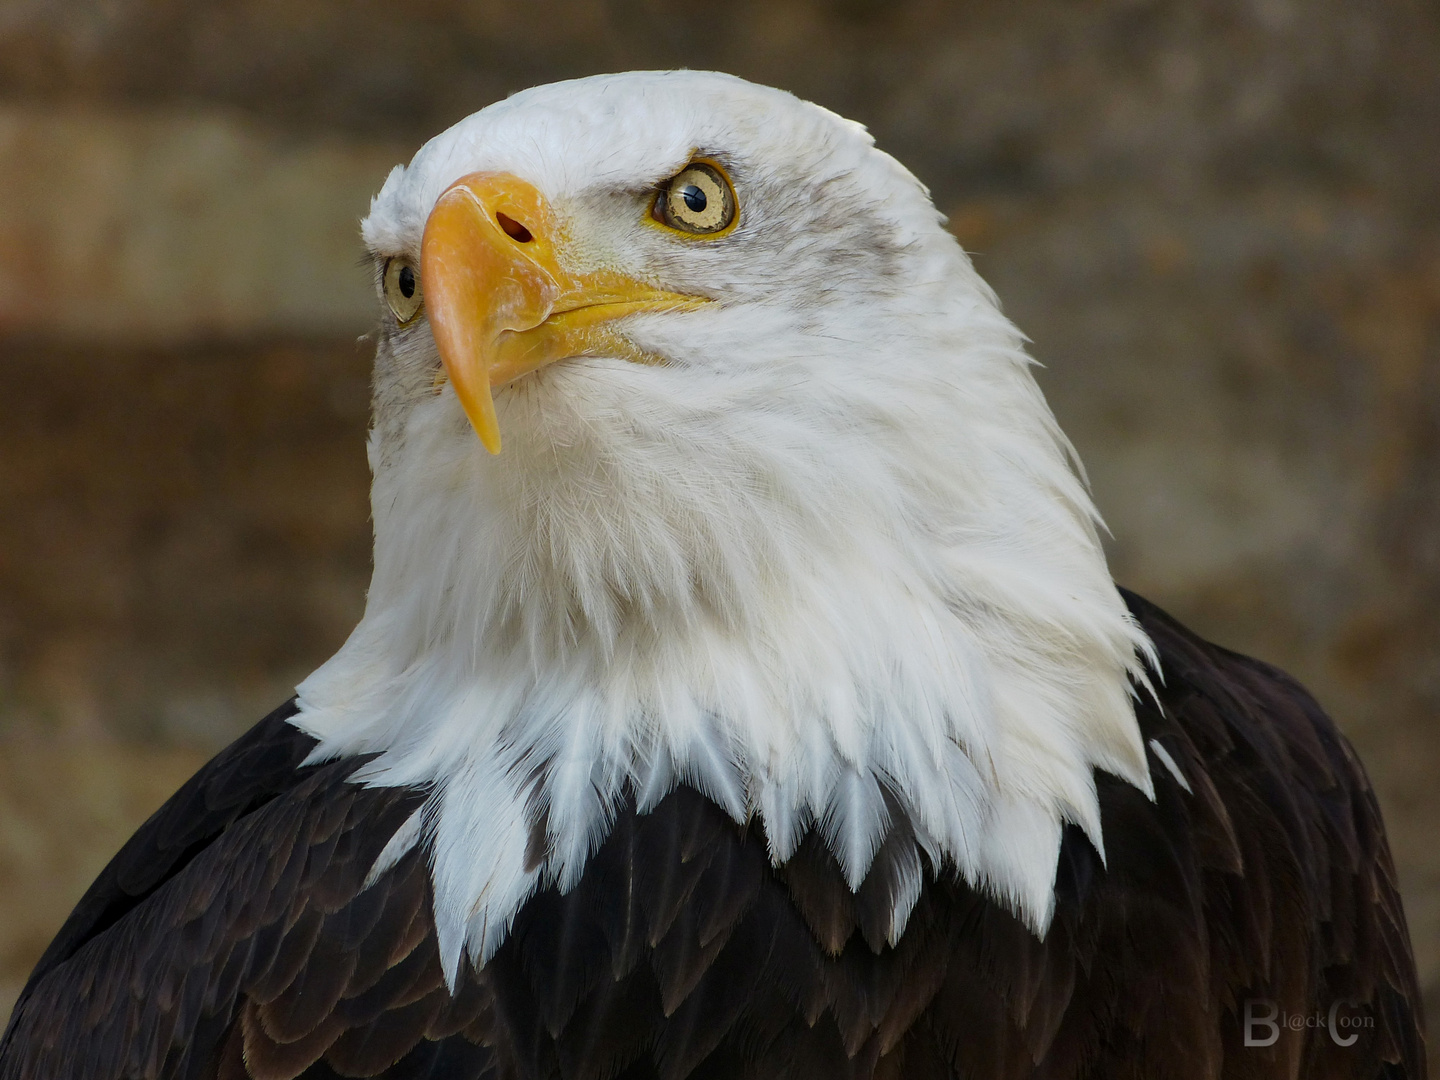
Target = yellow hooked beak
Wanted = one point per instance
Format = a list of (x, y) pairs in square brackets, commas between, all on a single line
[(500, 303)]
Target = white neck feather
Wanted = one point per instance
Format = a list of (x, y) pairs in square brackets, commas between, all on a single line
[(688, 575)]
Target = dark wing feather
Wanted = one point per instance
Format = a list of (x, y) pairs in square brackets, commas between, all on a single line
[(1299, 893), (248, 922), (234, 938), (244, 776)]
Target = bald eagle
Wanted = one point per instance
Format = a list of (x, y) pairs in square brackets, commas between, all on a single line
[(764, 709)]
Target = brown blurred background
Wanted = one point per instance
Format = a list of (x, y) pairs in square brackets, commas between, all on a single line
[(1218, 219)]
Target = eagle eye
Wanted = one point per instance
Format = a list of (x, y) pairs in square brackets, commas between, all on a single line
[(698, 200), (402, 289)]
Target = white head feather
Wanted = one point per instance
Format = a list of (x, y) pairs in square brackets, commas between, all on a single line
[(835, 546)]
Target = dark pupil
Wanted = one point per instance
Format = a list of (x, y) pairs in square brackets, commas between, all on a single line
[(694, 197), (407, 280)]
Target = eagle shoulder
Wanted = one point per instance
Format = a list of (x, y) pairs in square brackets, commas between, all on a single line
[(230, 914)]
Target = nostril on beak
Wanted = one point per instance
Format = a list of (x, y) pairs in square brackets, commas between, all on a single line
[(513, 229)]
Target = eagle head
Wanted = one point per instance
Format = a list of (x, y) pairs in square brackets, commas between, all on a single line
[(702, 455)]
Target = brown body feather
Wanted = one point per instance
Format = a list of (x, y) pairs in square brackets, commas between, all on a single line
[(233, 937)]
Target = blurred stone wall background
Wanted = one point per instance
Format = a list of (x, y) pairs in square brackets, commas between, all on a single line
[(1219, 220)]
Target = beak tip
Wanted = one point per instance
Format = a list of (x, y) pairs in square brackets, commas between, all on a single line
[(479, 408), (487, 426)]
